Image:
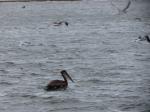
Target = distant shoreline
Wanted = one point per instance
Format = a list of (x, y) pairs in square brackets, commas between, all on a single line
[(33, 0)]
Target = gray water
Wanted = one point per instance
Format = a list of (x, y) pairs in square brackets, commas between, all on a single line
[(99, 49)]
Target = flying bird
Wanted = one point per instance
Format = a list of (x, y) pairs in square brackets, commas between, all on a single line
[(124, 10)]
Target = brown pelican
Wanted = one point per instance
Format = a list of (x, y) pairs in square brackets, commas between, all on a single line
[(59, 84)]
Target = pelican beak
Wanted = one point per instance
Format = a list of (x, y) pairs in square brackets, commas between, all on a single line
[(69, 77)]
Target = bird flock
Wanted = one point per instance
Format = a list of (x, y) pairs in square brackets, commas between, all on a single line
[(63, 84)]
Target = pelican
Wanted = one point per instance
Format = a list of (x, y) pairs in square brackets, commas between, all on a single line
[(59, 84)]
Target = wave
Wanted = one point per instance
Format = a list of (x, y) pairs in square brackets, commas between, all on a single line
[(6, 83)]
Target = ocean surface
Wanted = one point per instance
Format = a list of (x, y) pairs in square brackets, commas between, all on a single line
[(99, 49)]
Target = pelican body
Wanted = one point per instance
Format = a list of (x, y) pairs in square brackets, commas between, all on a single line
[(59, 84)]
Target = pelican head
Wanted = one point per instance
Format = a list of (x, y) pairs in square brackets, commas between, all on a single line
[(64, 73)]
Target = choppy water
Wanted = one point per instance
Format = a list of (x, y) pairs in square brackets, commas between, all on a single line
[(99, 49)]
